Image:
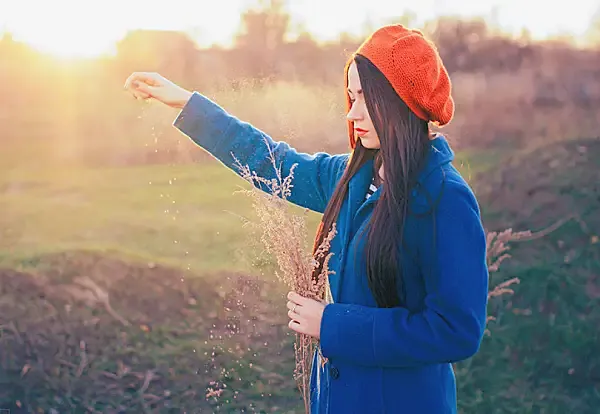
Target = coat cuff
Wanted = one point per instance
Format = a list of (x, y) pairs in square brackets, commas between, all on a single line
[(347, 333)]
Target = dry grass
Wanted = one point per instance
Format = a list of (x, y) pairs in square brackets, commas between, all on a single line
[(498, 245), (311, 117), (497, 248), (284, 236)]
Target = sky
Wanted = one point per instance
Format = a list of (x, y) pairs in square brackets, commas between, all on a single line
[(90, 27)]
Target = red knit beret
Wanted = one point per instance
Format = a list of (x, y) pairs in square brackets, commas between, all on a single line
[(414, 68)]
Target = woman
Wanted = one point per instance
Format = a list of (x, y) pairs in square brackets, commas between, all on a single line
[(410, 285)]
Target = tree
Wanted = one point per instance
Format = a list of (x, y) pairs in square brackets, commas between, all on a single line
[(170, 52), (262, 35)]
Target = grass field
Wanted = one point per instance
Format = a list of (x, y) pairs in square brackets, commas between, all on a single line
[(182, 215), (162, 242), (178, 215), (137, 288), (167, 246)]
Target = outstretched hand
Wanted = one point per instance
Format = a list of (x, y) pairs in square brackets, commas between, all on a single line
[(151, 85), (305, 314)]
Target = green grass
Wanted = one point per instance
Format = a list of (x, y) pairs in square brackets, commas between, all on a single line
[(182, 215), (186, 216)]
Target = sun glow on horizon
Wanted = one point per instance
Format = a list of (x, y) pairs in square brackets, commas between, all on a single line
[(67, 46), (80, 29), (63, 29)]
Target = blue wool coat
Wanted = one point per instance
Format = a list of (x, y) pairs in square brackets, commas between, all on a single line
[(380, 360)]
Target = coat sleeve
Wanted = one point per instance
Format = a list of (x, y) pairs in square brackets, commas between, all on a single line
[(224, 136), (451, 324)]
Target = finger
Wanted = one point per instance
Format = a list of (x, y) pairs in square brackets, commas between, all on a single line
[(134, 77), (294, 297), (293, 306), (295, 326), (149, 78), (295, 317), (144, 89), (140, 94)]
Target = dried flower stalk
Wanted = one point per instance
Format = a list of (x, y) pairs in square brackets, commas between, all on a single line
[(497, 248), (284, 237)]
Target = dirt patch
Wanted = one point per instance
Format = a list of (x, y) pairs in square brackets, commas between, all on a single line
[(91, 333), (543, 185)]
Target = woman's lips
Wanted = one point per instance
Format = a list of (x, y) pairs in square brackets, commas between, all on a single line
[(360, 132)]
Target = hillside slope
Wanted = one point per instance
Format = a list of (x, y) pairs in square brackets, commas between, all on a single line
[(542, 355)]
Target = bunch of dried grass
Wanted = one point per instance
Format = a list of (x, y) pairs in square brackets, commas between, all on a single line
[(284, 237)]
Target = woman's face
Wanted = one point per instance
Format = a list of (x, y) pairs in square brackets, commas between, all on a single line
[(358, 114)]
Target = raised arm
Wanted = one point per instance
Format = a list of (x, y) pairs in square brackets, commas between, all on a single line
[(224, 136)]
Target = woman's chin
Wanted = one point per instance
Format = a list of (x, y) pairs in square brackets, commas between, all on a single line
[(369, 143)]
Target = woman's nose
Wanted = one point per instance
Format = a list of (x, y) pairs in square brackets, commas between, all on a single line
[(354, 113)]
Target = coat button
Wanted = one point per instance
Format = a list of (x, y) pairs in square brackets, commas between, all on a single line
[(334, 371)]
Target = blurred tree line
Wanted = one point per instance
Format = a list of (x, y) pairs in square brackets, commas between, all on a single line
[(263, 50)]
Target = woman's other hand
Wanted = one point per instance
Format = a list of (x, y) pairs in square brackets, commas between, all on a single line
[(305, 314)]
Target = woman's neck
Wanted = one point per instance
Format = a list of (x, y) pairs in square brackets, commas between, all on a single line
[(378, 169), (378, 175)]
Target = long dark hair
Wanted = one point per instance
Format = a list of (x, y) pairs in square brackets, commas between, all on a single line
[(404, 141)]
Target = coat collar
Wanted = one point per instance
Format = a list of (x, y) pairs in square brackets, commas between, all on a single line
[(440, 153)]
